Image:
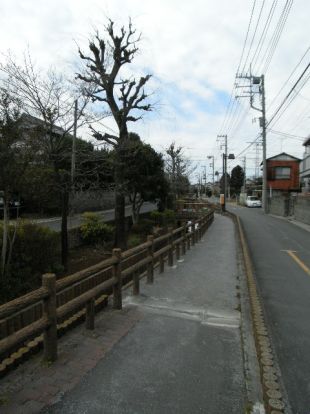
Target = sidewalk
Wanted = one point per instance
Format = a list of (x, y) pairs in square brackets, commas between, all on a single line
[(176, 348)]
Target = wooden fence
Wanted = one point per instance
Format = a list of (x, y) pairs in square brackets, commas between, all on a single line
[(39, 316)]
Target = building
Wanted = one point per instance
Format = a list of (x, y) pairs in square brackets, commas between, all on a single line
[(282, 174), (305, 168)]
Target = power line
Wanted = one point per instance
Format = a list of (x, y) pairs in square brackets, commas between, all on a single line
[(277, 35), (230, 105), (290, 76), (253, 37), (264, 34), (289, 94)]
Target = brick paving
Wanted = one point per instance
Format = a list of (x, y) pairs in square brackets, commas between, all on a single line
[(35, 385)]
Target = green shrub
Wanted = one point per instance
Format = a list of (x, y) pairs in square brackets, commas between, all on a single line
[(169, 216), (165, 218), (35, 251), (143, 227), (133, 241), (157, 217), (93, 230)]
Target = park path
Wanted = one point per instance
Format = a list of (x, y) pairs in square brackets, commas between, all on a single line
[(177, 348)]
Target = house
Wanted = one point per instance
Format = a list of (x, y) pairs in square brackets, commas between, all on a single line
[(304, 171), (282, 174)]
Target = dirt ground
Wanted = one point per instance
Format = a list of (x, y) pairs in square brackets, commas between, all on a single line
[(84, 256)]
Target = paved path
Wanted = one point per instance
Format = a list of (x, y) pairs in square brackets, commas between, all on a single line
[(281, 257), (174, 349)]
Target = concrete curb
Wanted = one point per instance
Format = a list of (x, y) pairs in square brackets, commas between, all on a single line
[(273, 396)]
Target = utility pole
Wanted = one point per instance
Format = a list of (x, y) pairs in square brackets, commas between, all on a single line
[(209, 157), (205, 181), (244, 174), (224, 168), (263, 121), (74, 143), (260, 82)]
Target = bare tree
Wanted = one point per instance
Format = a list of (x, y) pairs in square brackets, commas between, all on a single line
[(49, 100), (178, 170), (125, 98)]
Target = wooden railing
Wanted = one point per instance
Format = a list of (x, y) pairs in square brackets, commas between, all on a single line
[(107, 277)]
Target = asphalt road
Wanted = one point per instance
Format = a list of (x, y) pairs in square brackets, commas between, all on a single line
[(75, 221), (281, 257)]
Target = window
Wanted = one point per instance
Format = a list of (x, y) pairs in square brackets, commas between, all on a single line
[(282, 173)]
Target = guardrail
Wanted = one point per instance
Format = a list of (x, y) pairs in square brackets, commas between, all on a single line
[(118, 270)]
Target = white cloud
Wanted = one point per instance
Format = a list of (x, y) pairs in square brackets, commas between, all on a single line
[(192, 48)]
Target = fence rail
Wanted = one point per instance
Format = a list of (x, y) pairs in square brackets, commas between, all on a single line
[(57, 300)]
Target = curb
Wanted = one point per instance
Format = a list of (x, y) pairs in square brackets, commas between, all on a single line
[(269, 373)]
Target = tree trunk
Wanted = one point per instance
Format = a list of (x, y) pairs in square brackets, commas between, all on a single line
[(64, 228), (120, 222), (134, 214), (5, 235)]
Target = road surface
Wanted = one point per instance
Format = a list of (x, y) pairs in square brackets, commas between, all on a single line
[(281, 257), (75, 221)]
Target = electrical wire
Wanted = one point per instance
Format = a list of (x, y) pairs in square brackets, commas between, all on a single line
[(289, 94), (253, 37), (231, 101), (263, 35)]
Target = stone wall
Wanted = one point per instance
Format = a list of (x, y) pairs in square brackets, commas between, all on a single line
[(297, 207), (278, 206), (302, 209)]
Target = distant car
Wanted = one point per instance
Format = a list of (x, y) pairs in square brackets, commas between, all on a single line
[(252, 201)]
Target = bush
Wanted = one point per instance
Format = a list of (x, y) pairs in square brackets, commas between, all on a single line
[(167, 217), (143, 227), (35, 252), (93, 230), (157, 217), (133, 241)]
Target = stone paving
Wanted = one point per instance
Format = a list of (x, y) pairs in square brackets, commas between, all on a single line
[(35, 385)]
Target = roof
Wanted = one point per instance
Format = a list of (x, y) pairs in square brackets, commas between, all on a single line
[(283, 157), (307, 141), (30, 121)]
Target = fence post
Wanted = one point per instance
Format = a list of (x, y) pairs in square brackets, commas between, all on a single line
[(117, 273), (150, 265), (177, 251), (161, 263), (193, 233), (136, 283), (90, 314), (200, 230), (184, 240), (205, 224), (170, 252), (188, 237), (49, 311)]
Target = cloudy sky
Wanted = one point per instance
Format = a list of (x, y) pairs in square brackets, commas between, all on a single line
[(193, 49)]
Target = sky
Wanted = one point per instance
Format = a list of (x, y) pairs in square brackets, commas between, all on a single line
[(193, 49)]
